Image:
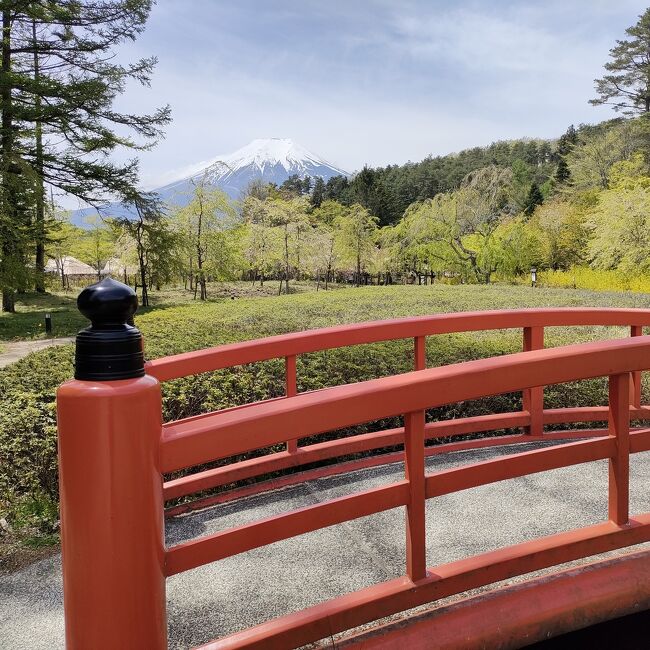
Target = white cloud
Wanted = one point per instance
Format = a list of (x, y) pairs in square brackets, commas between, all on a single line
[(379, 83)]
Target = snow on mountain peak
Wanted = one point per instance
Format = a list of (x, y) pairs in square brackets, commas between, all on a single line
[(269, 160), (264, 153)]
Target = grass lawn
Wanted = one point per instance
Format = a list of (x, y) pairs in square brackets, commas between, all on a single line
[(29, 320)]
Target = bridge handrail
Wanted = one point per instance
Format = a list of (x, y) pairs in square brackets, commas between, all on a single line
[(297, 343), (532, 418), (112, 492), (228, 433), (190, 442)]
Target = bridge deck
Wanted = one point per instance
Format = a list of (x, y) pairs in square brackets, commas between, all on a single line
[(241, 591)]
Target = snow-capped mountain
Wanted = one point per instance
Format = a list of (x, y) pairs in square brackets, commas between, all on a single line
[(271, 160)]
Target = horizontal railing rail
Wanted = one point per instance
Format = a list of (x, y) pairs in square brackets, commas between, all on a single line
[(328, 338), (224, 434), (532, 418)]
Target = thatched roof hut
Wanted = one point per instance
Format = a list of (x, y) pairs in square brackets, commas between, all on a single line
[(71, 267)]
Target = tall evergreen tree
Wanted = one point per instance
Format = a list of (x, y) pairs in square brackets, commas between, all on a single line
[(318, 195), (58, 83), (565, 144), (534, 198), (627, 87)]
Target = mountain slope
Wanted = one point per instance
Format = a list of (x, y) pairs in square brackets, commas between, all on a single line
[(271, 160)]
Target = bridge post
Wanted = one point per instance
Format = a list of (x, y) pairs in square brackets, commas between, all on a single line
[(533, 398), (416, 561), (635, 386), (619, 463), (109, 421), (291, 389)]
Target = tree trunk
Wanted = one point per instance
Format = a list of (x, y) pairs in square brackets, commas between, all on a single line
[(40, 189), (199, 257), (286, 260), (143, 266), (8, 297)]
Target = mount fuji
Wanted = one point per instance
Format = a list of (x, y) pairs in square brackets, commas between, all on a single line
[(270, 160)]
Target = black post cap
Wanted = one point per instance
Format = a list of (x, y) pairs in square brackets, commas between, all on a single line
[(111, 348)]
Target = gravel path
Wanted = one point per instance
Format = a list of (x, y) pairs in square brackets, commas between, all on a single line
[(250, 588), (12, 352)]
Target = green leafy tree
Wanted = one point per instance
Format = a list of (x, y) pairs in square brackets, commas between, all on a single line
[(627, 86), (62, 239), (591, 160), (59, 78), (356, 233), (144, 232), (205, 219), (564, 232), (96, 245)]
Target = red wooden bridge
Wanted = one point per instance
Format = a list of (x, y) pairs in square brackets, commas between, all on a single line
[(115, 450)]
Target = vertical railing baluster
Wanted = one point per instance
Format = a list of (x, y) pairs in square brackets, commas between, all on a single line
[(291, 389), (533, 398), (420, 353), (619, 463), (635, 384), (416, 561)]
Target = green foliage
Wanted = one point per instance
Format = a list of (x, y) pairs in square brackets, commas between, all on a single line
[(387, 192), (627, 86), (60, 79), (28, 472), (584, 277)]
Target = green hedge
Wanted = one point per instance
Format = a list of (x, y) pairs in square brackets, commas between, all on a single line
[(28, 470)]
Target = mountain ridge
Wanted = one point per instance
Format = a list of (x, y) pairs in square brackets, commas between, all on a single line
[(270, 160)]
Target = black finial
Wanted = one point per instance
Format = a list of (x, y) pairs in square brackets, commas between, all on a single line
[(111, 348)]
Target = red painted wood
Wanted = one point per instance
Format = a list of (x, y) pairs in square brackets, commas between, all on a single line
[(635, 387), (515, 465), (516, 616), (275, 347), (619, 435), (291, 390), (416, 561), (384, 599), (221, 435), (420, 353), (131, 451), (112, 514), (533, 398)]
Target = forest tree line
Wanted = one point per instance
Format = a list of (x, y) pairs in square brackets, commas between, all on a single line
[(585, 202)]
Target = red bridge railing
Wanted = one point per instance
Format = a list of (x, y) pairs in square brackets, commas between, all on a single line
[(114, 451), (531, 418)]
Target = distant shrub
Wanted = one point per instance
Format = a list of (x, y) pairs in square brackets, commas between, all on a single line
[(583, 277)]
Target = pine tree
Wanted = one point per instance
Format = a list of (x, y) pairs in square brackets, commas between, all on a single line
[(58, 82), (534, 198), (565, 144), (627, 87), (318, 195)]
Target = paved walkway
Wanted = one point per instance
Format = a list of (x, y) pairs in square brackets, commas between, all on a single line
[(232, 594), (12, 352)]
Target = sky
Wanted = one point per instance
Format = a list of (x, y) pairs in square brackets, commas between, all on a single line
[(369, 81)]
